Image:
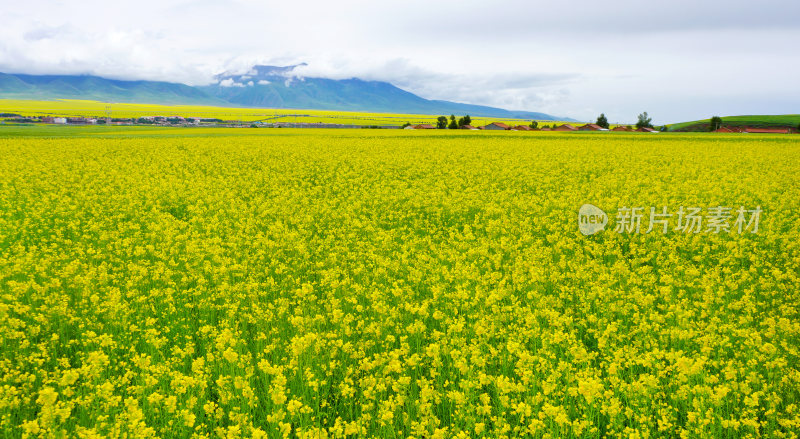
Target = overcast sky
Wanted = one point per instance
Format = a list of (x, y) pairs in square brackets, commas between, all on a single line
[(677, 59)]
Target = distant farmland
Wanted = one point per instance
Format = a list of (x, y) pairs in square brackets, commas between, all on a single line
[(774, 121), (87, 108)]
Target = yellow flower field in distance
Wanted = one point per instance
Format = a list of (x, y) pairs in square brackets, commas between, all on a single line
[(375, 283), (84, 108)]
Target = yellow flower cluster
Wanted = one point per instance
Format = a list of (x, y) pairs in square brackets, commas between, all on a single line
[(379, 284)]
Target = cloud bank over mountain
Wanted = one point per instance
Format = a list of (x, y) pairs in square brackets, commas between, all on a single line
[(259, 87)]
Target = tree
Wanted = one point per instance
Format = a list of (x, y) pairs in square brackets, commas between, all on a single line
[(453, 124), (715, 124), (463, 121), (644, 121), (441, 122), (798, 127), (602, 121), (534, 124), (405, 125)]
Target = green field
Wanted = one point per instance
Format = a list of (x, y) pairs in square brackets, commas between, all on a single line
[(286, 283), (785, 120)]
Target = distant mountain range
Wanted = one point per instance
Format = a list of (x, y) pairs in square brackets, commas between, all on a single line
[(261, 87), (15, 86)]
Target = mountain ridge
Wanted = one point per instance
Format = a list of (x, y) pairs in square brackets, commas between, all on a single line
[(260, 87)]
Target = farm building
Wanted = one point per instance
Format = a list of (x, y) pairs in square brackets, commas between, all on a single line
[(726, 130), (468, 127), (424, 126), (646, 130), (565, 127), (496, 126), (545, 129), (766, 130), (522, 128), (621, 128), (591, 127)]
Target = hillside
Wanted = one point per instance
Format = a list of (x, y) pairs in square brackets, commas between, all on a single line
[(276, 87), (263, 87), (19, 86), (762, 121)]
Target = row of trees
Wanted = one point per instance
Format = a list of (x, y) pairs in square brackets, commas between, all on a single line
[(643, 121), (442, 123)]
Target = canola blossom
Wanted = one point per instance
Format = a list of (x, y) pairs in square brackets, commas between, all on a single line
[(96, 109), (318, 284)]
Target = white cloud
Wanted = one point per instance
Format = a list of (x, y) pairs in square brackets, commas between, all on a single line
[(230, 83)]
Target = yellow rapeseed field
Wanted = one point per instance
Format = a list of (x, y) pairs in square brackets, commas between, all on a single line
[(86, 108), (365, 283)]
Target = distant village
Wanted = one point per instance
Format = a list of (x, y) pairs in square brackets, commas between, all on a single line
[(500, 126), (180, 121), (146, 120)]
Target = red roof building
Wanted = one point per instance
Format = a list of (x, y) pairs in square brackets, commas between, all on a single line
[(621, 128), (565, 127), (646, 130), (523, 128), (496, 126), (424, 126), (590, 127), (766, 130)]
